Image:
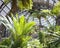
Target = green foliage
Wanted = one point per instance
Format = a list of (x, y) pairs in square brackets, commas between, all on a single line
[(41, 37), (56, 9), (25, 4), (34, 44), (20, 29), (19, 32), (42, 13), (6, 1), (5, 43), (52, 37), (46, 11)]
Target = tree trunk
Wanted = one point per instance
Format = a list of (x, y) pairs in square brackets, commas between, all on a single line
[(14, 6)]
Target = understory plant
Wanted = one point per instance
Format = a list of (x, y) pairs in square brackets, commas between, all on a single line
[(50, 37), (34, 43), (19, 30)]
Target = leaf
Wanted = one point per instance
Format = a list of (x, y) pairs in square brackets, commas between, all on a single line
[(45, 11), (16, 25), (26, 39), (5, 42), (28, 27), (25, 4), (56, 9), (3, 46), (6, 1)]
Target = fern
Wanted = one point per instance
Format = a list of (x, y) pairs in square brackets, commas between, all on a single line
[(19, 29)]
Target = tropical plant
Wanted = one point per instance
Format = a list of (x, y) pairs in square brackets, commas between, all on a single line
[(49, 37), (34, 43), (19, 29), (56, 9), (54, 37)]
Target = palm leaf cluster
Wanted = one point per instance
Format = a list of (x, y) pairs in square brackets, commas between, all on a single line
[(19, 29)]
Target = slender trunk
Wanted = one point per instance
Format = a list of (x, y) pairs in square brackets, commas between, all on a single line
[(14, 7)]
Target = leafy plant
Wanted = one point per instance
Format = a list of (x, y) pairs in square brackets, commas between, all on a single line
[(56, 9), (19, 29), (25, 4), (50, 37), (34, 44)]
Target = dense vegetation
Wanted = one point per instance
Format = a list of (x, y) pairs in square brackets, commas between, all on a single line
[(21, 30)]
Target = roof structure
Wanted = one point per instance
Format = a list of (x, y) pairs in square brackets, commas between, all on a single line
[(5, 9)]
